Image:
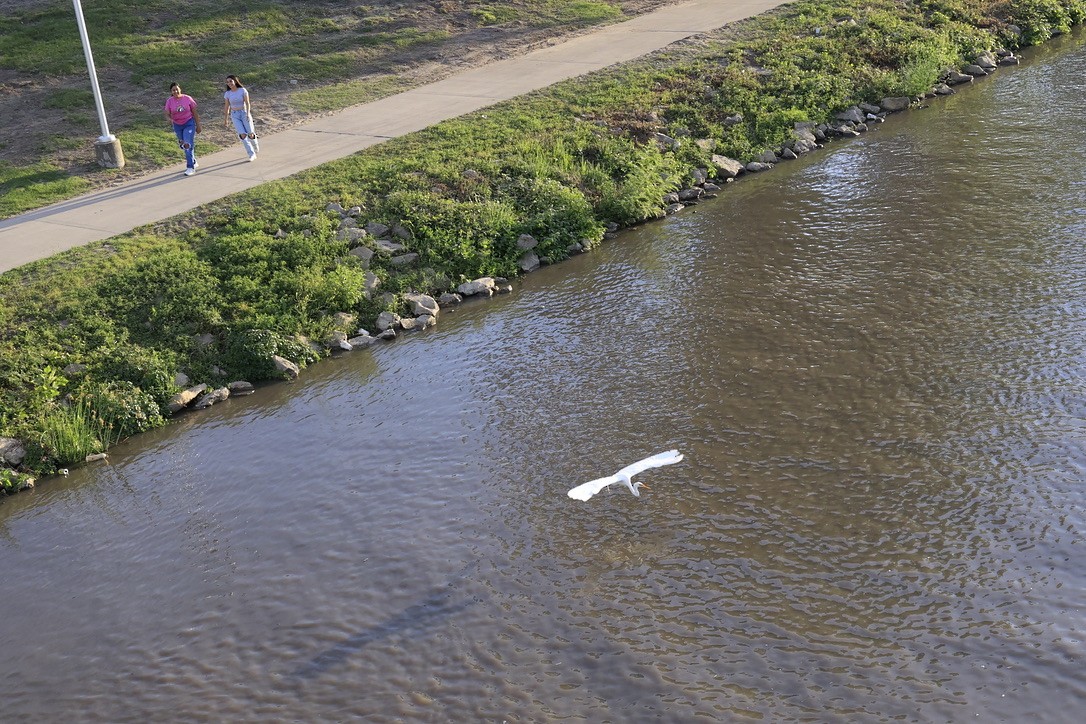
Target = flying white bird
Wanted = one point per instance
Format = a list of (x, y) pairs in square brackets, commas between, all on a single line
[(587, 490)]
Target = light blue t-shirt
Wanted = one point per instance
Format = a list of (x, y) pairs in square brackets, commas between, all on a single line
[(236, 98)]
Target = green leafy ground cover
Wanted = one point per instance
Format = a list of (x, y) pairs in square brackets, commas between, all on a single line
[(260, 272)]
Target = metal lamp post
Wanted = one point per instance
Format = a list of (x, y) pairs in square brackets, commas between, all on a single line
[(107, 149)]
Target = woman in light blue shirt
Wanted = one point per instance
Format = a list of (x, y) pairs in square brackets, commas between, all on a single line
[(238, 111)]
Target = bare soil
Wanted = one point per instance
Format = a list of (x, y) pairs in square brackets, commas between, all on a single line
[(28, 124)]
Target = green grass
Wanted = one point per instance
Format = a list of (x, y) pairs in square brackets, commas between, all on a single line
[(29, 187), (342, 95), (70, 99)]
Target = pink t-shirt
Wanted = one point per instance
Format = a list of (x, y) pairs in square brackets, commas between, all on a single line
[(180, 109)]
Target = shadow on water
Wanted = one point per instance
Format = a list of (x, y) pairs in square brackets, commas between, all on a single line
[(415, 620)]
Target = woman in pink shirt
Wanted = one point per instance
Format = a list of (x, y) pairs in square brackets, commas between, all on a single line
[(181, 110)]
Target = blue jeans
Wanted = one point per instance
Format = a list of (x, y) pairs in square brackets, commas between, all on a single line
[(186, 136), (243, 124)]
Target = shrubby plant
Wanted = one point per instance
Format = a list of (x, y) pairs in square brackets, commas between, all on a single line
[(248, 353)]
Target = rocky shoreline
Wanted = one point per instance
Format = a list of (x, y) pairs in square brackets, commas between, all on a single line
[(392, 243)]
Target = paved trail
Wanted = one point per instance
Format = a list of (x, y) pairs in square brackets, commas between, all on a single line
[(116, 210)]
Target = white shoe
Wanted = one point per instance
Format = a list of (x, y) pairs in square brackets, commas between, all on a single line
[(252, 157), (189, 171)]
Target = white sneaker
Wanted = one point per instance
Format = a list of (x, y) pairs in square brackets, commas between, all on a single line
[(189, 171), (252, 157)]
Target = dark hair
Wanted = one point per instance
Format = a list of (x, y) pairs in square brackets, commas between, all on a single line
[(237, 81), (174, 85)]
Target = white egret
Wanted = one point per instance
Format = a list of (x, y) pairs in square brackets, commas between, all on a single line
[(587, 490)]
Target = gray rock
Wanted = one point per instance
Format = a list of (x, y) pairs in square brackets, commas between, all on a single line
[(403, 259), (351, 235), (482, 285), (401, 232), (528, 262), (422, 304), (391, 247), (408, 323), (853, 114), (425, 320), (338, 340), (895, 103), (803, 145), (376, 228), (943, 90), (387, 334), (370, 284), (182, 399), (387, 320), (953, 77), (688, 195), (286, 367), (526, 242), (665, 142), (181, 379), (757, 166), (674, 208), (204, 340), (449, 298), (73, 369), (241, 388), (210, 398), (334, 207), (361, 341), (768, 157), (363, 254), (12, 451), (727, 167)]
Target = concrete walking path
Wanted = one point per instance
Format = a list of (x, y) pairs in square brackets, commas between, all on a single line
[(160, 195)]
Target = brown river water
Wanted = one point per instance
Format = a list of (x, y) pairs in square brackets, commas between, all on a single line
[(872, 359)]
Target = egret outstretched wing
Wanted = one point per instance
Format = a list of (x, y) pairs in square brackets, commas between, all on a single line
[(665, 458), (584, 491), (587, 490)]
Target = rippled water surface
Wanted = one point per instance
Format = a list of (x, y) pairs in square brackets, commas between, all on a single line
[(872, 359)]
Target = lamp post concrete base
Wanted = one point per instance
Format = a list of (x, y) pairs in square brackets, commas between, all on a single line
[(107, 151)]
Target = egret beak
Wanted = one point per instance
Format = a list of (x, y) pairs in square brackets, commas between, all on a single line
[(644, 486)]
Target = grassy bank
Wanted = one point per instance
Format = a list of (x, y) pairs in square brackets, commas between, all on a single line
[(91, 340), (299, 56)]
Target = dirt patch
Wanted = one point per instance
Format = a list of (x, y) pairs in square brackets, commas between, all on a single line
[(34, 132)]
